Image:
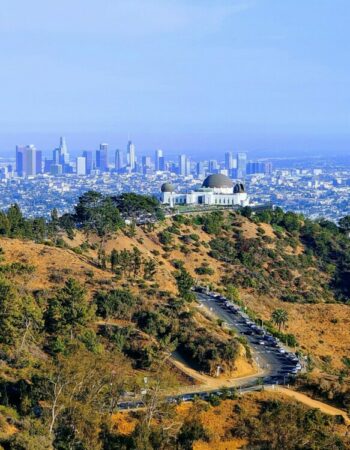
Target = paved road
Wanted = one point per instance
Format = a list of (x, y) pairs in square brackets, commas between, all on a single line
[(276, 365), (269, 355)]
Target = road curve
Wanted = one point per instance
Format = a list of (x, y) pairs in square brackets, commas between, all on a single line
[(275, 364), (273, 360)]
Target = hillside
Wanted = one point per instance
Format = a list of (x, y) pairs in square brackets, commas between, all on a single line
[(317, 319), (259, 420), (86, 297), (320, 328)]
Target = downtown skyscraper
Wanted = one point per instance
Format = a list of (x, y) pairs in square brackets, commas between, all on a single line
[(131, 156), (184, 165), (28, 161), (119, 160), (241, 165), (87, 154), (228, 161), (102, 158), (63, 152), (159, 163)]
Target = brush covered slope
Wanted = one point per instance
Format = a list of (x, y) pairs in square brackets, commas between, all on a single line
[(82, 328)]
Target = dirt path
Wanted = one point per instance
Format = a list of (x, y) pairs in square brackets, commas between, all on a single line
[(324, 407), (208, 383)]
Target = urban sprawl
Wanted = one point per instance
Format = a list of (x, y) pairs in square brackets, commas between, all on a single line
[(40, 184)]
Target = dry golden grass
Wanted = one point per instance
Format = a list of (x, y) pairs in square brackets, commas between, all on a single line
[(218, 421), (50, 262), (321, 329), (123, 423)]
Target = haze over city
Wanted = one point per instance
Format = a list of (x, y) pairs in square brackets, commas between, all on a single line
[(262, 76)]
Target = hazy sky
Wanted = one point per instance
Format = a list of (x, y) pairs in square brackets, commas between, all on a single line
[(184, 75)]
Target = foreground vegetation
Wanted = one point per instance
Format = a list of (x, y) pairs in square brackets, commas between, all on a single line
[(255, 421), (71, 350)]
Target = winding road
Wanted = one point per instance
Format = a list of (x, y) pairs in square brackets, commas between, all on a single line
[(275, 364)]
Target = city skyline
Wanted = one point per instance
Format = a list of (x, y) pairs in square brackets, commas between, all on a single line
[(30, 162)]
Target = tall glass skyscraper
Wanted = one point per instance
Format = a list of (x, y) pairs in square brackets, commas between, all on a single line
[(241, 165), (131, 155), (158, 160), (38, 162), (183, 165), (102, 158), (26, 160), (119, 163), (87, 154), (81, 165), (20, 160), (63, 151), (228, 161)]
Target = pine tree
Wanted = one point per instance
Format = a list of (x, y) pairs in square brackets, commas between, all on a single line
[(114, 258), (69, 311)]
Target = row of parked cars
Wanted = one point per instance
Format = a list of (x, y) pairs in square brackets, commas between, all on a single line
[(289, 363)]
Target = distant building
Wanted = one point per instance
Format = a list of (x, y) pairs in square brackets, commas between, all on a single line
[(131, 155), (47, 165), (216, 190), (63, 150), (146, 164), (213, 166), (159, 160), (200, 169), (60, 156), (268, 168), (81, 165), (89, 163), (172, 167), (56, 169), (26, 160), (241, 165), (119, 163), (39, 162), (102, 158), (162, 166), (183, 165), (4, 173), (20, 160), (56, 156), (256, 167), (228, 161)]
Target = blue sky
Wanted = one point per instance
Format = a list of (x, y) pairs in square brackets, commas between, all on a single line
[(184, 75)]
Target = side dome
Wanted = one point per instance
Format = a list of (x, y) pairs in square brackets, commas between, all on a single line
[(167, 187), (217, 180), (239, 188)]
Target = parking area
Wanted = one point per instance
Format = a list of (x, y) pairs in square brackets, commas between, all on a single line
[(278, 363)]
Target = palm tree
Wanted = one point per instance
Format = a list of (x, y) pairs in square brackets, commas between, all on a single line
[(279, 317)]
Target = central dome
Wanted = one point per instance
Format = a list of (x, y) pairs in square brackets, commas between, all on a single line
[(167, 187), (217, 180)]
